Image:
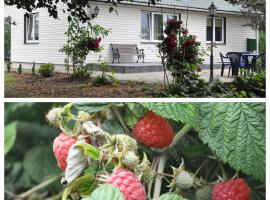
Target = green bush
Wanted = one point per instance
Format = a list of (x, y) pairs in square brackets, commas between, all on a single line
[(8, 66), (46, 70)]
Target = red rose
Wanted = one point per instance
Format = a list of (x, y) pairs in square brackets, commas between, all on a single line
[(171, 42), (185, 31)]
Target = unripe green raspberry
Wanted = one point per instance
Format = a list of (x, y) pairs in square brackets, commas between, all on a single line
[(129, 159)]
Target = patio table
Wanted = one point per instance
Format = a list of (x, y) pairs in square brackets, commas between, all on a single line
[(246, 57)]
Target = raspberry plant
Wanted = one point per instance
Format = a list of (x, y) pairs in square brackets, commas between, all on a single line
[(160, 151)]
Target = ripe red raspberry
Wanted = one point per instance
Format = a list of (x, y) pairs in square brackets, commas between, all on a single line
[(235, 189), (153, 131), (61, 146), (128, 183)]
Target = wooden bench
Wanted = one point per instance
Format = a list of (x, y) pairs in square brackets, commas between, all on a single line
[(119, 50)]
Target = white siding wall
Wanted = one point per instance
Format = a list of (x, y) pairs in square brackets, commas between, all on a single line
[(125, 28)]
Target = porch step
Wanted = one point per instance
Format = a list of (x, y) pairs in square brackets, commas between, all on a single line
[(133, 67)]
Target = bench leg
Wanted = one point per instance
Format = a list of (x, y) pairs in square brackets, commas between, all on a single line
[(118, 58)]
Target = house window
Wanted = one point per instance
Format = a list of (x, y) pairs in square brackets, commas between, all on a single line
[(146, 26), (158, 26), (152, 25), (31, 28), (218, 31)]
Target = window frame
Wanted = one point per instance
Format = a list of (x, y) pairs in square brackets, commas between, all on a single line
[(164, 21), (34, 41), (214, 30)]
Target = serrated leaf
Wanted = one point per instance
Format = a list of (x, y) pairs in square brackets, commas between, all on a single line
[(236, 133), (171, 196), (105, 192), (89, 150), (10, 136), (76, 163), (183, 112), (39, 163), (91, 107)]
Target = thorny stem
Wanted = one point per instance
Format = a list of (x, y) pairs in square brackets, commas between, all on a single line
[(160, 169)]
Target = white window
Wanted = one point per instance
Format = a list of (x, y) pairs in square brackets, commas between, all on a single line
[(153, 24), (146, 26), (217, 32), (32, 28)]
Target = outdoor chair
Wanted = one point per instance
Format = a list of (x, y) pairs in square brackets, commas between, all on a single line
[(225, 62), (235, 60)]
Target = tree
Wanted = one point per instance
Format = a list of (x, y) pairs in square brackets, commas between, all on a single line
[(255, 10), (74, 8)]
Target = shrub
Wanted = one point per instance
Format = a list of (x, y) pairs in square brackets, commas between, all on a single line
[(34, 68), (81, 41), (20, 69), (8, 66), (46, 70)]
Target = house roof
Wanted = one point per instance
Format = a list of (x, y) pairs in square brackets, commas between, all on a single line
[(202, 5)]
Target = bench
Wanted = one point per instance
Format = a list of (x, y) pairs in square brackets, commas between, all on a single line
[(119, 50)]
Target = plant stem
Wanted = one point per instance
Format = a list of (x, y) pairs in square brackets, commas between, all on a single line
[(160, 169), (122, 122), (179, 136), (40, 186), (154, 167)]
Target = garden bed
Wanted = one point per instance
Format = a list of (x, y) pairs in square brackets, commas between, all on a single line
[(60, 85)]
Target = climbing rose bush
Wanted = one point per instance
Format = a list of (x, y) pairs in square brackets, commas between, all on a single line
[(180, 52)]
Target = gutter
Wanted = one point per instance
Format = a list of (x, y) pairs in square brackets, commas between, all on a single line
[(138, 3)]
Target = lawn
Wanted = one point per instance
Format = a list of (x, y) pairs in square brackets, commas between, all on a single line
[(60, 85)]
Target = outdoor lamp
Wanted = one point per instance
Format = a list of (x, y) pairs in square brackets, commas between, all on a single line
[(212, 13), (212, 10), (96, 12)]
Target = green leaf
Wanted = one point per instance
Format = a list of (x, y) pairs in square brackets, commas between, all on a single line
[(83, 185), (68, 123), (112, 126), (236, 133), (184, 112), (105, 192), (171, 196), (39, 163), (91, 107), (10, 136), (90, 150), (137, 109)]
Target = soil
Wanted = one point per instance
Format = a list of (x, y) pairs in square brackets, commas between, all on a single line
[(61, 85)]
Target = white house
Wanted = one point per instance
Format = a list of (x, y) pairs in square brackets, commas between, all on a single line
[(39, 37)]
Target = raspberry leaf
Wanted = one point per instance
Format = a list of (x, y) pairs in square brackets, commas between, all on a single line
[(39, 163), (89, 150), (236, 133), (91, 107), (10, 136), (171, 196), (105, 192), (84, 185)]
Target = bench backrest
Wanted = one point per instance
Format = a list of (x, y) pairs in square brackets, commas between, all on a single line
[(125, 48)]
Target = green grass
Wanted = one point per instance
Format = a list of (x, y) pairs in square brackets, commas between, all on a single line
[(10, 80)]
